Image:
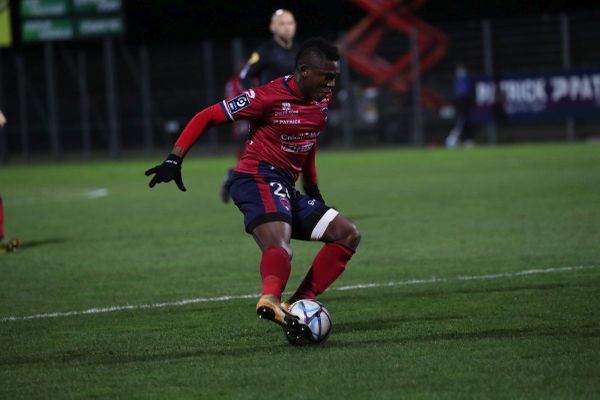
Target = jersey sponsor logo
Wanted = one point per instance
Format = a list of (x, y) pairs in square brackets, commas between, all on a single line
[(282, 113), (239, 103), (297, 148), (286, 109), (250, 93), (300, 136), (287, 121)]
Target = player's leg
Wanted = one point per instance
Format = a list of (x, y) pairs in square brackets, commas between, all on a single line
[(341, 239), (6, 245), (264, 200), (273, 238)]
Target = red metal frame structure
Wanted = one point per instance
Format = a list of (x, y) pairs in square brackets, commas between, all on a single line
[(361, 42)]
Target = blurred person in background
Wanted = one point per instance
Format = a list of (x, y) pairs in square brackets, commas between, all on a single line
[(6, 245), (277, 56), (286, 116), (272, 59), (462, 131)]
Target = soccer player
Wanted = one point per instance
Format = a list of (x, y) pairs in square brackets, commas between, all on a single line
[(274, 58), (2, 245), (286, 117), (6, 245)]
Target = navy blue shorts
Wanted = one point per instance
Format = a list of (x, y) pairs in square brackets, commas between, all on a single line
[(270, 195)]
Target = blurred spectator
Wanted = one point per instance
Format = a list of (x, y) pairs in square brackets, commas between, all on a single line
[(462, 131)]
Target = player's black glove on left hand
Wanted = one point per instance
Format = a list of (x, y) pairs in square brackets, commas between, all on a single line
[(169, 170), (314, 192)]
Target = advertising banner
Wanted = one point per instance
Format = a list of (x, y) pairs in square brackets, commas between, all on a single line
[(51, 20), (5, 32), (543, 96)]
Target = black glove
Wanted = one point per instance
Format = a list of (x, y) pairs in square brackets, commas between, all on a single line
[(314, 192), (169, 170)]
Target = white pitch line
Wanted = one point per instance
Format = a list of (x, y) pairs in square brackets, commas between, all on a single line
[(60, 195), (255, 295), (96, 193), (466, 278)]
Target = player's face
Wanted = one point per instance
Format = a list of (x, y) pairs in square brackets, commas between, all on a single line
[(320, 80), (284, 26)]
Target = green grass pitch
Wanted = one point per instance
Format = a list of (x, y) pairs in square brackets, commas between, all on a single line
[(446, 238)]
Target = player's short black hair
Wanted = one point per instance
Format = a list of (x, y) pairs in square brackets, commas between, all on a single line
[(316, 48)]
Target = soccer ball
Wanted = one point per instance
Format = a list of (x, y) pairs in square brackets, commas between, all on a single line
[(315, 316)]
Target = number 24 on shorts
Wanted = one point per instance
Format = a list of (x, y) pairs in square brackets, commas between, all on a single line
[(279, 190)]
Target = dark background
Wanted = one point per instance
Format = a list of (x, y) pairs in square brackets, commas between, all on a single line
[(190, 20), (193, 47)]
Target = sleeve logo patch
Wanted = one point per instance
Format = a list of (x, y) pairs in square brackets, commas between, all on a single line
[(239, 103), (254, 58)]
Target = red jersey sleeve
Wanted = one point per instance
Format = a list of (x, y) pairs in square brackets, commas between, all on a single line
[(309, 170), (248, 105), (210, 116)]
